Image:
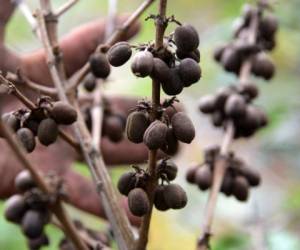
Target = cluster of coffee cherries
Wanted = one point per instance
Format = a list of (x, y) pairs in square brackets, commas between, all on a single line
[(231, 56), (42, 122), (237, 180), (96, 240), (30, 209), (163, 133), (234, 103), (175, 65), (167, 195), (113, 122)]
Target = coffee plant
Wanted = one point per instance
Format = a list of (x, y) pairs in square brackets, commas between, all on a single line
[(77, 111)]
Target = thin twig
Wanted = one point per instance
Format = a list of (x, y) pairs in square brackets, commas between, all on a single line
[(159, 38), (64, 8), (221, 162)]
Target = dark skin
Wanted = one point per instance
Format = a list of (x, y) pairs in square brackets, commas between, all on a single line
[(59, 158)]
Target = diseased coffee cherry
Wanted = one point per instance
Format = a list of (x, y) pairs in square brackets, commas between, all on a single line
[(175, 196), (203, 177), (89, 83), (191, 174), (136, 125), (113, 128), (119, 54), (186, 38), (63, 113), (138, 202), (268, 26), (26, 137), (195, 54), (218, 52), (175, 85), (263, 66), (227, 184), (168, 168), (142, 63), (189, 71), (171, 146), (183, 127), (47, 131), (99, 65), (36, 244), (155, 135), (240, 188), (249, 90), (159, 199), (126, 183), (161, 71), (24, 181), (235, 106), (15, 208), (231, 60), (251, 175), (207, 104), (32, 224), (11, 121)]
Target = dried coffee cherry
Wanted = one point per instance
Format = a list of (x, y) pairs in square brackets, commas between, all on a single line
[(155, 135), (119, 54), (183, 127), (47, 131), (142, 64), (138, 202), (99, 65), (186, 38), (63, 113), (27, 139)]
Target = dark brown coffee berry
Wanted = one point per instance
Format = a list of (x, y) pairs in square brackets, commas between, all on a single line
[(175, 85), (167, 168), (27, 139), (161, 72), (14, 209), (63, 113), (47, 131), (142, 64), (99, 65), (195, 55), (249, 90), (211, 153), (155, 135), (263, 66), (189, 71), (36, 244), (268, 26), (231, 60), (240, 188), (32, 124), (32, 224), (227, 184), (207, 104), (203, 177), (235, 106), (113, 128), (175, 196), (24, 181), (171, 146), (89, 83), (119, 54), (159, 199), (138, 202), (191, 174), (126, 183), (183, 127), (218, 52), (11, 121), (136, 125), (251, 175), (186, 38), (218, 118)]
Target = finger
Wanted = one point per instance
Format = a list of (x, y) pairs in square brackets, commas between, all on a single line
[(76, 47)]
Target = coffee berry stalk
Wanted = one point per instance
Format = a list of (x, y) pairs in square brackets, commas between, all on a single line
[(232, 108)]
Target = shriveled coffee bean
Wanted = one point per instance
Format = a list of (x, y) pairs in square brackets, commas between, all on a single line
[(191, 174), (113, 128), (24, 181), (32, 224), (235, 106), (195, 54), (161, 71), (142, 64), (171, 145), (138, 202), (175, 85), (268, 26), (47, 131), (207, 104), (136, 125), (249, 90), (203, 177), (227, 184), (63, 113), (119, 54), (14, 208), (251, 175), (186, 38), (36, 244), (159, 199), (263, 66), (231, 60), (99, 65), (89, 83), (175, 196), (218, 52), (240, 188), (168, 168), (27, 139), (155, 135), (183, 127), (189, 71), (126, 183)]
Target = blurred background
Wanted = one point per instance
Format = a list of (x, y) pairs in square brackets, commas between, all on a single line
[(271, 217)]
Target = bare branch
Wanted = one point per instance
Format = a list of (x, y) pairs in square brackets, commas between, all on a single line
[(64, 8)]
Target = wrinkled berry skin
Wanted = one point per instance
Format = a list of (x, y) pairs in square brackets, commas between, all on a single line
[(186, 38), (183, 127), (138, 202)]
